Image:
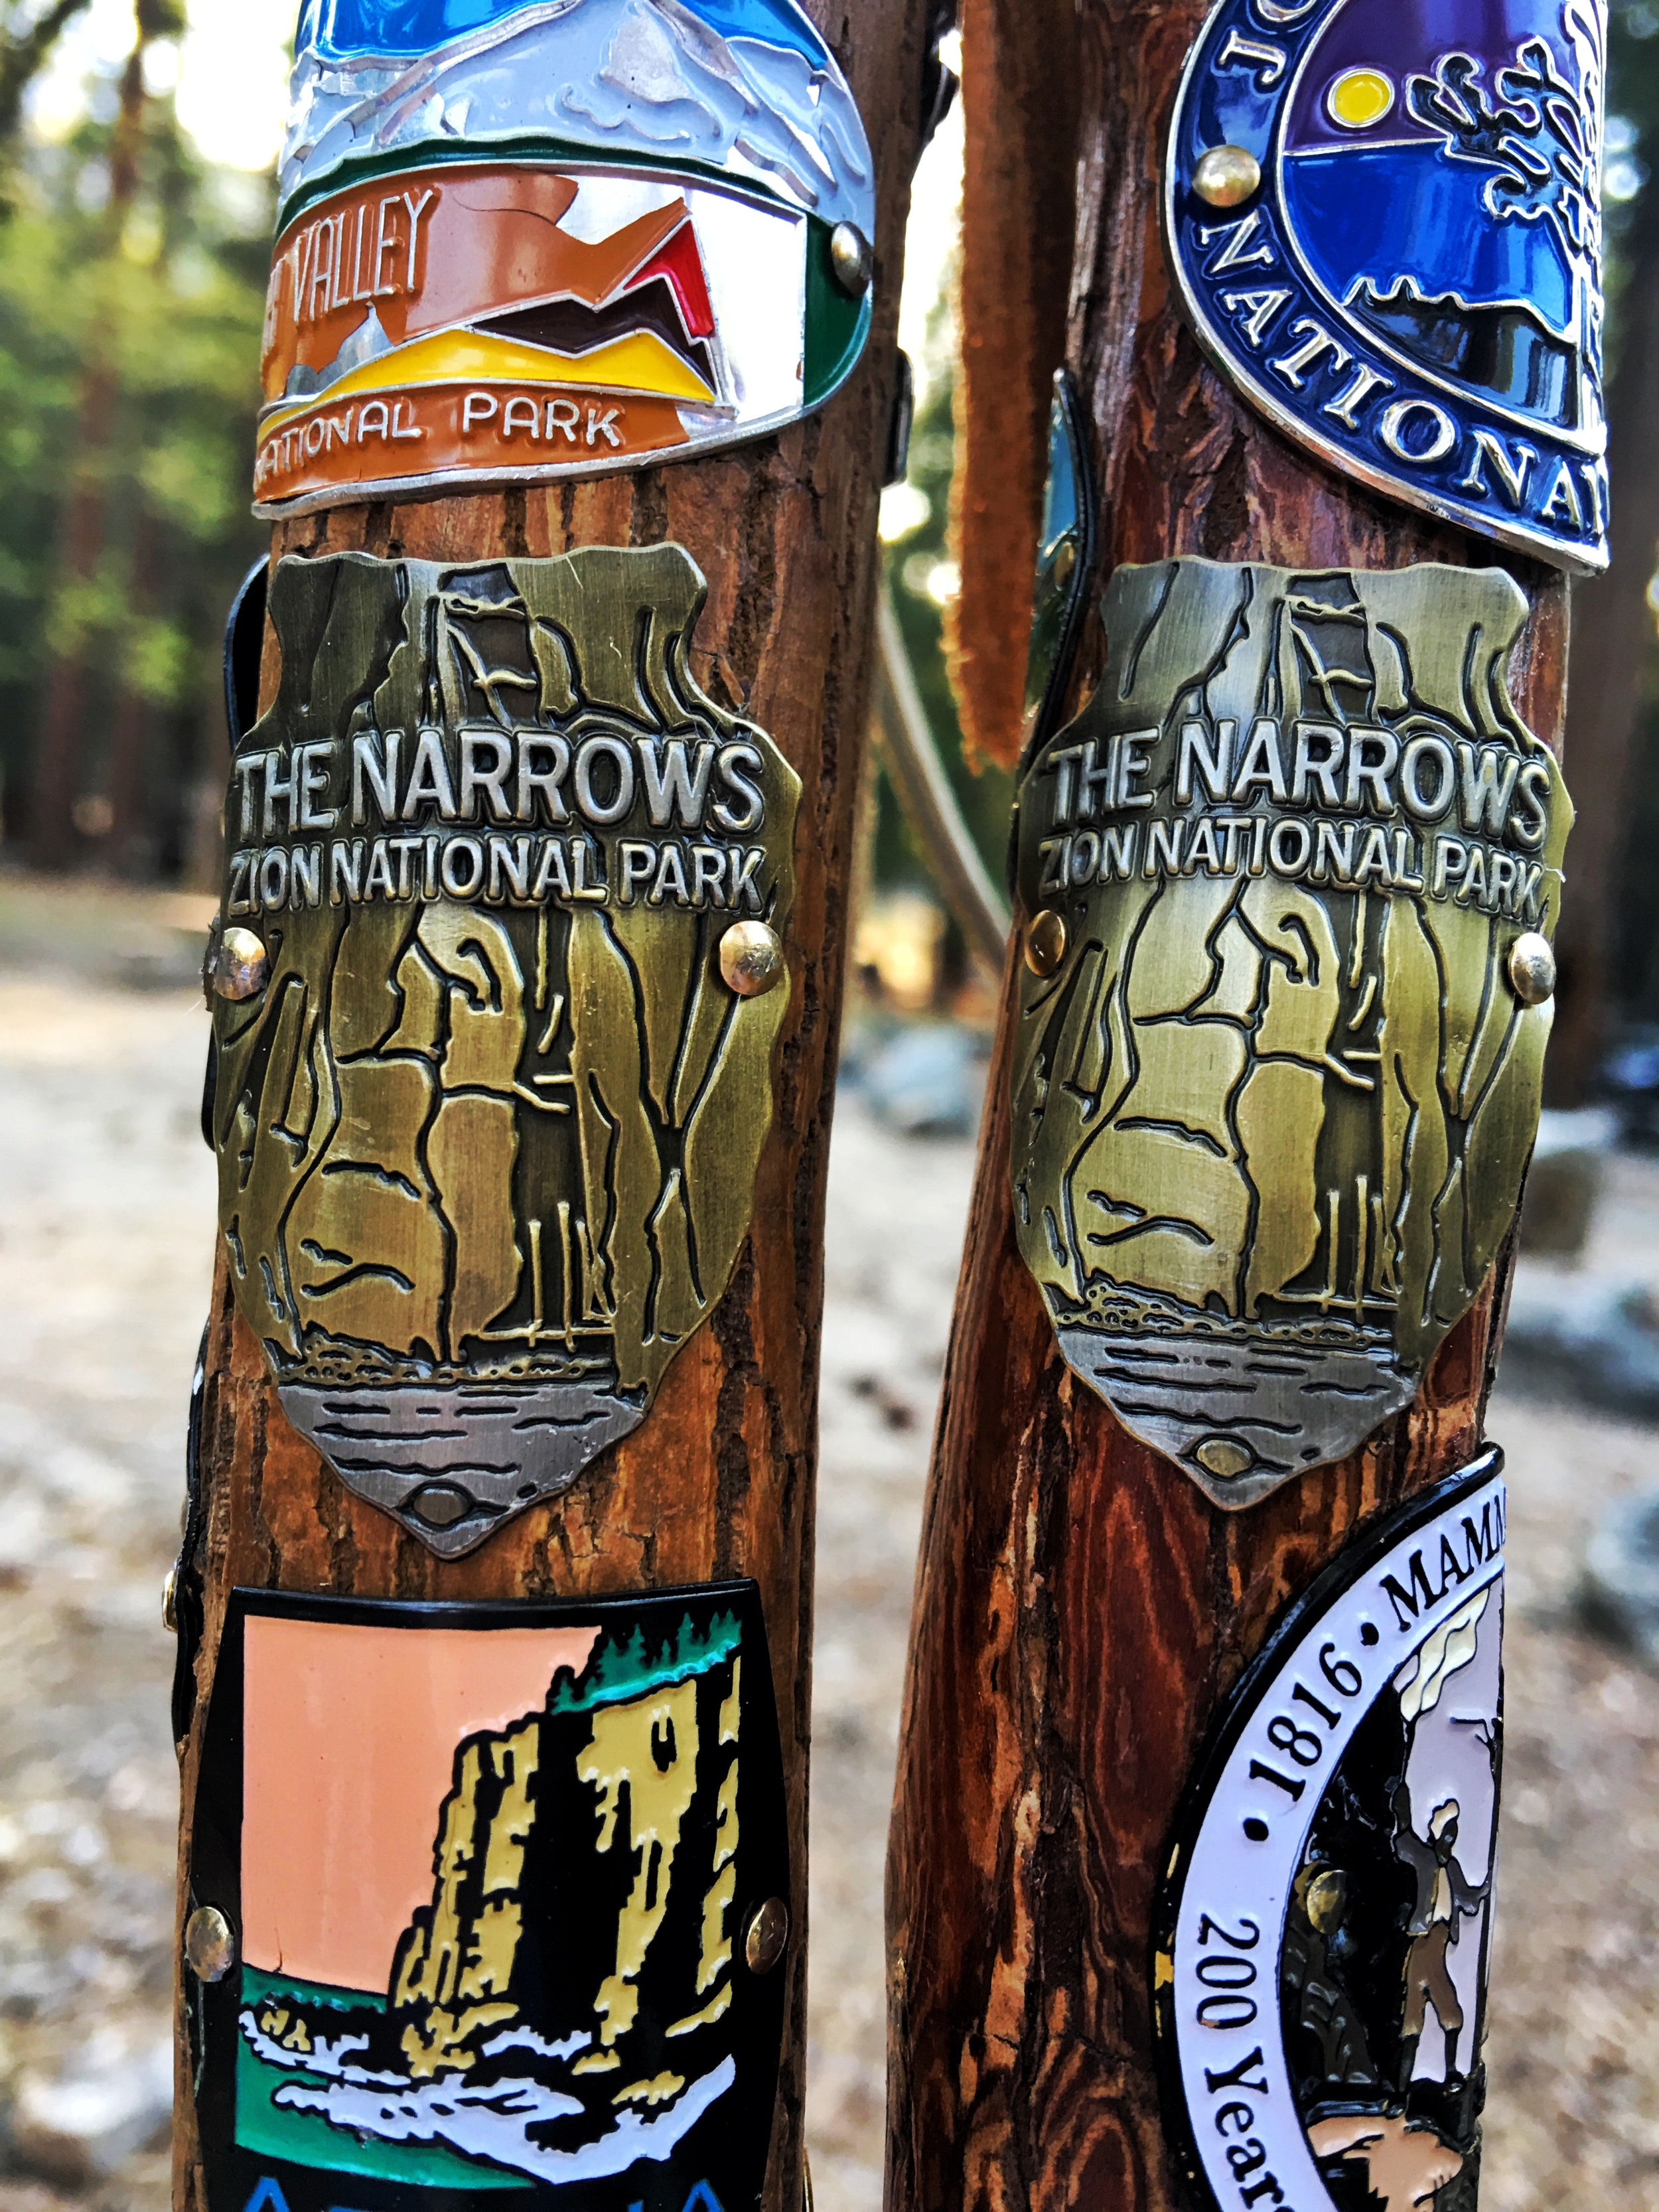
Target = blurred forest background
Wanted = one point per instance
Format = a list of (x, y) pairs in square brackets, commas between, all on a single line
[(132, 275), (132, 270)]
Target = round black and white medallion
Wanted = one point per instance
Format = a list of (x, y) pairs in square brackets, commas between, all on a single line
[(1320, 1946)]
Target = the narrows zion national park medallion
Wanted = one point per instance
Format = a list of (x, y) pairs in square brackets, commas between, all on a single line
[(503, 959), (1292, 876)]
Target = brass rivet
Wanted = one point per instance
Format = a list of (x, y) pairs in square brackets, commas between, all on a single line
[(1532, 969), (1227, 176), (769, 1932), (1045, 943), (209, 1946), (852, 258), (1225, 1457), (241, 966), (1065, 561), (751, 959), (170, 1601), (1328, 1894)]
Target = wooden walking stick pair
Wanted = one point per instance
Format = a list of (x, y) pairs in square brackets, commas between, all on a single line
[(495, 1601)]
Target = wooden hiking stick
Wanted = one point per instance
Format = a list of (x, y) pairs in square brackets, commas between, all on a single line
[(610, 704), (1084, 1611)]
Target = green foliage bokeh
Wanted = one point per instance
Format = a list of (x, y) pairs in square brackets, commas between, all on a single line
[(174, 308)]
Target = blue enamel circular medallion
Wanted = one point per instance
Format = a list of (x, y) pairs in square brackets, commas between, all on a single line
[(1415, 292)]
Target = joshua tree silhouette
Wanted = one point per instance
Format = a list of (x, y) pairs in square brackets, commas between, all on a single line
[(1539, 133)]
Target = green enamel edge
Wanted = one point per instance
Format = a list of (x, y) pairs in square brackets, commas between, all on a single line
[(836, 326), (623, 1666)]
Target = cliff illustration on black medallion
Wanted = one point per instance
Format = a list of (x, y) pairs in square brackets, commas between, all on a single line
[(530, 238), (1324, 1920), (488, 1905), (1384, 218), (500, 967), (1291, 877)]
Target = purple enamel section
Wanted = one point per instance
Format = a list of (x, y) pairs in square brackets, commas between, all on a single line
[(1403, 37)]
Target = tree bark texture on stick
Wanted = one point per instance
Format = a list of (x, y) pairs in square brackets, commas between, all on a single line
[(717, 1484), (1082, 1611)]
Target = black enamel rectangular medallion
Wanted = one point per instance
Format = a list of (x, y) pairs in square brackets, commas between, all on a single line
[(504, 1891)]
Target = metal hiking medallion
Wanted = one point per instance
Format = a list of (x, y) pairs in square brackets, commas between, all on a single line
[(1290, 878), (1385, 223), (523, 239), (1322, 1928), (488, 1905), (502, 963)]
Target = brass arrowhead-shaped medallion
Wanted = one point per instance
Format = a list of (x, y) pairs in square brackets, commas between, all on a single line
[(1278, 1068), (489, 1125)]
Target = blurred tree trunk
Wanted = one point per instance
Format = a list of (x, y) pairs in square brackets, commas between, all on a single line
[(24, 54), (1019, 97), (131, 850), (1613, 641), (57, 768)]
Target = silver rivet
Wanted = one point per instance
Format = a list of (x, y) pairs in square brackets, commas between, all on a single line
[(768, 1934), (751, 959), (1532, 969), (441, 1503), (240, 966), (1227, 176), (209, 1946), (1045, 943), (853, 258)]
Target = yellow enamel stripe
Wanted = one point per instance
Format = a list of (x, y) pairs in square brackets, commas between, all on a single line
[(642, 363)]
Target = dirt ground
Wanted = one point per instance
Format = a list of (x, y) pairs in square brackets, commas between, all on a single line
[(105, 1211)]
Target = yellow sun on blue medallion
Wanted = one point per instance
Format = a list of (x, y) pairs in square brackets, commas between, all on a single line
[(1359, 98), (1434, 299)]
